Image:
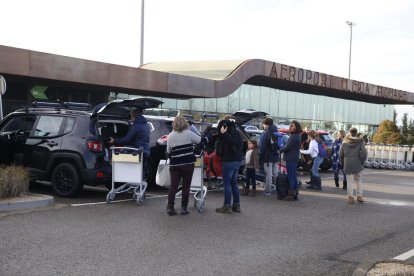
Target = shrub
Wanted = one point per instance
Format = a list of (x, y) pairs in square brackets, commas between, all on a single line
[(14, 180)]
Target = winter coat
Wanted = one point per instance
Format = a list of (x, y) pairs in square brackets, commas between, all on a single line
[(229, 145), (254, 160), (336, 162), (266, 153), (292, 148), (353, 154), (137, 136)]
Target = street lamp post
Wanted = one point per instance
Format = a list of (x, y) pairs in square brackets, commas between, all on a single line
[(350, 24), (141, 61)]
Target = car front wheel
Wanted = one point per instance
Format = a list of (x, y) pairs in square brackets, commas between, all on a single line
[(65, 180)]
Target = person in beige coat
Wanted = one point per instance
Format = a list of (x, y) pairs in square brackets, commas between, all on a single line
[(353, 155)]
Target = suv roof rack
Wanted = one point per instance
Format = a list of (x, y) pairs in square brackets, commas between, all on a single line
[(65, 105)]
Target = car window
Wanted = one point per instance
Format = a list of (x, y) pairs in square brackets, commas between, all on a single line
[(326, 137), (24, 123), (48, 126), (70, 123)]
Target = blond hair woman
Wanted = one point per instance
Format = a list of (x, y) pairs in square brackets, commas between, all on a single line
[(180, 148)]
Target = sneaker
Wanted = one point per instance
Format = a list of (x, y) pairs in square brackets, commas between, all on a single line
[(351, 200), (224, 209), (266, 193), (171, 212), (359, 199), (236, 208), (184, 211)]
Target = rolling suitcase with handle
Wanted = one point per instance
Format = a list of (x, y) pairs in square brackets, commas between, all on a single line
[(282, 183)]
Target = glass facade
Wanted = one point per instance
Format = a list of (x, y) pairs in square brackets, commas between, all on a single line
[(313, 111)]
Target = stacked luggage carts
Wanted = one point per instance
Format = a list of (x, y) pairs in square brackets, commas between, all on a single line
[(393, 157), (197, 184), (127, 168), (409, 164)]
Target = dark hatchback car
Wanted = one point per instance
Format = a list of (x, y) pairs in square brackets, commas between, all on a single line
[(65, 143), (242, 117)]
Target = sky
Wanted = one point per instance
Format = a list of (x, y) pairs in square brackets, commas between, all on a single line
[(311, 34)]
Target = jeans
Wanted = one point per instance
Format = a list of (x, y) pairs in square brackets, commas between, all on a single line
[(291, 172), (357, 180), (270, 170), (230, 172), (251, 178), (317, 161)]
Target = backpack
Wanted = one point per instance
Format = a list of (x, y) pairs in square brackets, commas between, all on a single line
[(276, 141), (321, 150)]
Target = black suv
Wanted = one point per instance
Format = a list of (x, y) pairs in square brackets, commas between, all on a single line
[(64, 143)]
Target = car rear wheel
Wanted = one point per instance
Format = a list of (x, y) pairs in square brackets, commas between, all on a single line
[(65, 180)]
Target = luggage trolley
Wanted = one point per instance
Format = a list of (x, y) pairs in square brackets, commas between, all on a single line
[(127, 166), (197, 184)]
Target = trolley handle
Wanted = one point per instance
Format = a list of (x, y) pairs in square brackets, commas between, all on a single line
[(134, 151)]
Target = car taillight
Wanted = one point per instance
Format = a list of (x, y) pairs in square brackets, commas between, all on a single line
[(100, 175), (93, 145)]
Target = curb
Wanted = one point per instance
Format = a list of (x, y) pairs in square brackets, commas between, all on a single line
[(364, 268), (29, 201)]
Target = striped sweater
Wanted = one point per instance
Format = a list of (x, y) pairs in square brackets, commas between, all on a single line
[(180, 147)]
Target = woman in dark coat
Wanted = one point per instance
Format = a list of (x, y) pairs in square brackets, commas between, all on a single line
[(336, 162), (229, 148), (291, 156)]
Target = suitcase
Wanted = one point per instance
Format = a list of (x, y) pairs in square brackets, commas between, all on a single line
[(282, 184)]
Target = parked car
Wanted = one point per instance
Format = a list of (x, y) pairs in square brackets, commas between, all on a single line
[(252, 129), (65, 143), (242, 117)]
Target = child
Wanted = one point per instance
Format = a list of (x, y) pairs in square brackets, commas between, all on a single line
[(252, 166)]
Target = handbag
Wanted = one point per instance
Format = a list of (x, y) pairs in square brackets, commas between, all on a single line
[(163, 177)]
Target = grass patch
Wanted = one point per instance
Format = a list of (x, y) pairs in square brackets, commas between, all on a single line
[(14, 180)]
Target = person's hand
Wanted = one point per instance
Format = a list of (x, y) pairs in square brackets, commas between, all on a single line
[(223, 129), (111, 140)]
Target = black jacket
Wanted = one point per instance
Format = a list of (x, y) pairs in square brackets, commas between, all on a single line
[(229, 145), (266, 153)]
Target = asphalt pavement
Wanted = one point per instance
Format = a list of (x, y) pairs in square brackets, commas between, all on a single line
[(318, 235)]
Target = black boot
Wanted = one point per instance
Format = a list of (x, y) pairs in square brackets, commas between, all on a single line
[(337, 182), (296, 194), (290, 196), (312, 183), (318, 183), (345, 185)]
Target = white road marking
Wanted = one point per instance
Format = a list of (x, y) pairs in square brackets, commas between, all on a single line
[(405, 256), (148, 196)]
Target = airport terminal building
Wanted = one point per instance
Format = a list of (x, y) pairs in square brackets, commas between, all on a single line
[(317, 100)]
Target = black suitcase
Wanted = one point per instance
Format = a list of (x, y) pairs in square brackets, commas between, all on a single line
[(282, 185)]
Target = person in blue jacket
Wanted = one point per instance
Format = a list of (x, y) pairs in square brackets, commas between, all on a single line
[(138, 135), (267, 156)]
